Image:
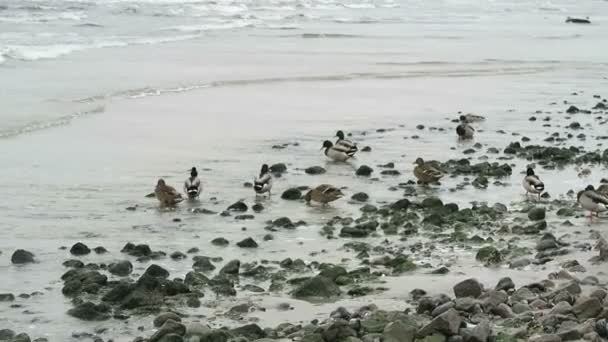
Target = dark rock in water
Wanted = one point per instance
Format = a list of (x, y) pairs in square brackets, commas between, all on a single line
[(193, 250), (6, 334), (366, 149), (121, 268), (247, 243), (283, 222), (249, 331), (292, 194), (536, 214), (315, 170), (338, 330), (600, 105), (565, 212), (317, 287), (79, 248), (7, 297), (390, 173), (401, 204), (202, 264), (252, 288), (489, 255), (100, 250), (156, 272), (268, 237), (532, 229), (441, 270), (196, 279), (22, 256), (257, 207), (481, 182), (137, 250), (222, 285), (278, 168), (73, 263), (178, 255), (601, 327), (89, 311), (220, 241), (574, 125), (360, 197), (572, 110), (505, 284), (170, 327), (23, 337), (448, 324), (577, 21), (587, 307), (238, 206), (364, 171), (431, 202), (468, 288), (162, 318), (244, 217), (232, 267), (368, 208)]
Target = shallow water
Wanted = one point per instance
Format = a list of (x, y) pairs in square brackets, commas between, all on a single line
[(79, 145)]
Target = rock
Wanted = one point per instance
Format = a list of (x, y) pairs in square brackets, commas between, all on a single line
[(156, 272), (545, 338), (232, 267), (278, 168), (561, 308), (489, 255), (239, 206), (565, 212), (292, 194), (587, 307), (6, 334), (171, 338), (244, 217), (315, 170), (283, 222), (249, 331), (22, 256), (7, 297), (523, 294), (23, 337), (536, 214), (202, 264), (572, 110), (220, 241), (502, 310), (316, 287), (79, 248), (401, 204), (505, 284), (162, 318), (448, 323), (100, 250), (247, 243), (432, 202), (338, 331), (360, 197), (399, 331), (468, 288), (479, 333), (121, 268), (169, 327), (364, 171), (178, 255), (258, 207), (88, 311)]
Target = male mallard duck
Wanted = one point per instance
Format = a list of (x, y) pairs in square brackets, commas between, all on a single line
[(465, 131), (471, 118), (532, 183), (347, 144), (592, 201), (167, 195), (426, 173), (192, 185), (337, 153), (324, 193), (263, 183)]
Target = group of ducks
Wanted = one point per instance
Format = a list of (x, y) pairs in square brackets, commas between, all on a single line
[(596, 201)]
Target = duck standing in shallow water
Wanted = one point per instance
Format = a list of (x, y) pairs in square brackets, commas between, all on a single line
[(593, 201), (337, 152), (324, 194), (167, 195), (346, 144), (263, 183), (465, 131), (192, 185), (471, 118), (532, 183), (426, 173)]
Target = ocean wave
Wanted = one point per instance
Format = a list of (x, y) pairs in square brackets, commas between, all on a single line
[(359, 6), (40, 125), (211, 27), (37, 18)]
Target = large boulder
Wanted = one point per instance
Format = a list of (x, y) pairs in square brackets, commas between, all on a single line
[(22, 256), (89, 311), (169, 327), (317, 287), (468, 288), (249, 331), (536, 214), (121, 268), (448, 323), (399, 331), (587, 307), (80, 248), (292, 194)]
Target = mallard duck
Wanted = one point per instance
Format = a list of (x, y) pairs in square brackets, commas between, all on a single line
[(324, 193), (167, 195), (337, 153), (192, 185), (532, 183), (471, 118), (603, 188), (592, 201), (346, 144), (263, 183), (426, 173), (465, 131)]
